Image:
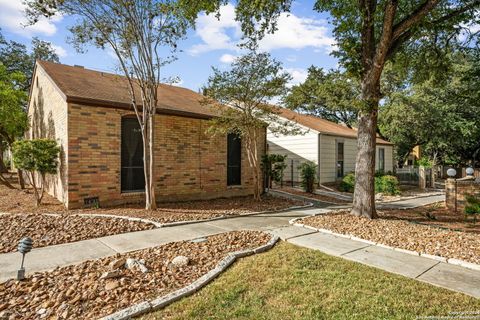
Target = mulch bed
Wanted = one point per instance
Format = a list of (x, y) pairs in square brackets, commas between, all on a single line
[(435, 215), (46, 230), (314, 196), (397, 232), (77, 292), (199, 210), (23, 201)]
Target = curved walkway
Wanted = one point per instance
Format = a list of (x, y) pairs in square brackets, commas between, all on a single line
[(424, 269)]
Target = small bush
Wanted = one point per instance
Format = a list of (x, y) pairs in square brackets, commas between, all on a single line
[(308, 173), (386, 184), (473, 206), (37, 158), (348, 183)]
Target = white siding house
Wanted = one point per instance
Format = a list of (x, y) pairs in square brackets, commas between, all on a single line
[(331, 146)]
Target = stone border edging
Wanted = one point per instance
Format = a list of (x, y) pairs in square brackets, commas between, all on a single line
[(453, 261), (161, 302)]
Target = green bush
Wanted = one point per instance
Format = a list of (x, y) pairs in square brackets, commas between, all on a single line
[(308, 173), (348, 183), (473, 206), (386, 184), (37, 158)]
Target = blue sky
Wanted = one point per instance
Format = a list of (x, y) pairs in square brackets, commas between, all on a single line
[(304, 38)]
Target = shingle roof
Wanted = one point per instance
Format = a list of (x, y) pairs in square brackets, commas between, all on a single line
[(80, 85), (322, 125)]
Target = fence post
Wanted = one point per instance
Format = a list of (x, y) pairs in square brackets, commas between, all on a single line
[(291, 172), (422, 179)]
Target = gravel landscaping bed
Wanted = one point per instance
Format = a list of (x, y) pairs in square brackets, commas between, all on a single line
[(402, 234), (199, 210), (80, 292), (314, 196), (46, 230)]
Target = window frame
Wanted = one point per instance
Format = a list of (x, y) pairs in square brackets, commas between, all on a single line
[(122, 167)]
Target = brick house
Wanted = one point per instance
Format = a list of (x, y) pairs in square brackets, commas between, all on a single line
[(89, 114)]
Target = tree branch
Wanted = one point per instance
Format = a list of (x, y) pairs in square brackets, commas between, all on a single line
[(416, 16)]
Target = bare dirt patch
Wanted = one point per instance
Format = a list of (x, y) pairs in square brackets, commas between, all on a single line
[(77, 292), (199, 210), (402, 233), (46, 230)]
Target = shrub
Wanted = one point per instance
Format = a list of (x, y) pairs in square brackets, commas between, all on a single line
[(348, 183), (308, 172), (387, 184), (274, 166), (37, 158), (473, 206)]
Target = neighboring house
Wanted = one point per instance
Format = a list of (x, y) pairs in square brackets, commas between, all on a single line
[(413, 156), (90, 115), (333, 147)]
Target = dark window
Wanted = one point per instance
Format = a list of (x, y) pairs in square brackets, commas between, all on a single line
[(132, 176), (234, 159), (381, 159), (340, 156)]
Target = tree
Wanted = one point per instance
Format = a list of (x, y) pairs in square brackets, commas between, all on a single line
[(19, 64), (241, 96), (13, 119), (442, 116), (16, 58), (329, 95), (369, 33), (136, 31), (37, 157)]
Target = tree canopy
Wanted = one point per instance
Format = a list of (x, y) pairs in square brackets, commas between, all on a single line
[(330, 95), (241, 96)]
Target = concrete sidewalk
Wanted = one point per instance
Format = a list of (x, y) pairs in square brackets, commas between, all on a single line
[(48, 258), (431, 271)]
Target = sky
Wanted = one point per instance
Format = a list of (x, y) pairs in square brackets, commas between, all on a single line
[(303, 39)]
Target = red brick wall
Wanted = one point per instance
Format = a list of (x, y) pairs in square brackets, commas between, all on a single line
[(190, 164), (463, 187)]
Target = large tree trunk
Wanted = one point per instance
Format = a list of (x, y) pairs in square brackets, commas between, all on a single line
[(364, 193)]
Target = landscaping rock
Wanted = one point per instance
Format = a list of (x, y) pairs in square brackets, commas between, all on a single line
[(117, 263), (111, 274), (136, 264), (180, 261), (78, 293)]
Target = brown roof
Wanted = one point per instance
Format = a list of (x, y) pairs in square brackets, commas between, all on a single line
[(322, 125), (84, 86)]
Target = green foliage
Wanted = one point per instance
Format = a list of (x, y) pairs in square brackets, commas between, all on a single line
[(330, 95), (424, 162), (384, 183), (16, 58), (348, 183), (308, 174), (247, 87), (387, 184), (274, 166), (441, 117), (37, 155), (473, 206), (13, 119)]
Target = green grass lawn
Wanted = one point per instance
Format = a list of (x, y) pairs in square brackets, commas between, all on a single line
[(290, 282)]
